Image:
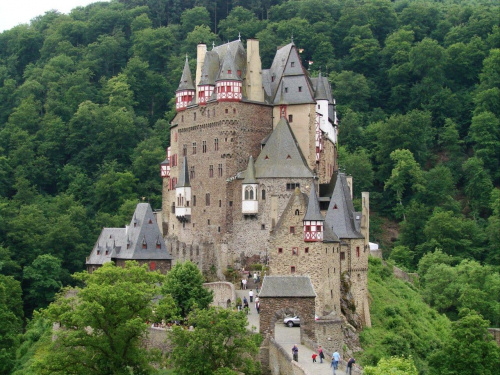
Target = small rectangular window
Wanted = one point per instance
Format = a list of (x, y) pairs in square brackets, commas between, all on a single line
[(300, 88), (342, 255), (290, 118), (207, 199), (204, 146), (292, 230), (306, 250), (211, 171), (280, 250), (295, 251), (292, 64), (194, 148), (357, 251), (220, 203), (216, 144), (286, 89), (263, 226), (194, 200), (292, 269), (194, 116), (220, 170), (263, 195)]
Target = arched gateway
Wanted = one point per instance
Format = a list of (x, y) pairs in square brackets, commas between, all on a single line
[(289, 295)]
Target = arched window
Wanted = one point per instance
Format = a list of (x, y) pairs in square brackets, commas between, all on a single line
[(249, 193)]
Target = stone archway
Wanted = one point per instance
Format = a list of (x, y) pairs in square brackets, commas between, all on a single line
[(289, 294)]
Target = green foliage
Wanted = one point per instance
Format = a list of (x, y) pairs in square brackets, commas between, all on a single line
[(184, 283), (11, 321), (392, 366), (220, 344), (102, 323), (402, 324), (470, 349)]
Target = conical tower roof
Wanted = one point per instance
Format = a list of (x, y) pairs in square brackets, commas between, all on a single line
[(313, 212), (183, 175), (228, 69), (250, 173), (320, 89), (186, 82)]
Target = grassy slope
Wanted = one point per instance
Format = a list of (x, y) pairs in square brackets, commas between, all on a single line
[(402, 324)]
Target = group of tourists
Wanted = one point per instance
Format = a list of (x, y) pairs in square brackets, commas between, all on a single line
[(335, 359)]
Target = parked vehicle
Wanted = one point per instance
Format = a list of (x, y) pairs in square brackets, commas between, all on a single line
[(293, 321)]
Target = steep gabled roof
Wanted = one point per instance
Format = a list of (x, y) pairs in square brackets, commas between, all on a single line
[(186, 82), (341, 216), (287, 286), (281, 156), (127, 243), (183, 175), (313, 212)]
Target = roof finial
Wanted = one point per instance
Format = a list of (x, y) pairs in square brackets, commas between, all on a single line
[(213, 44), (239, 36), (292, 37)]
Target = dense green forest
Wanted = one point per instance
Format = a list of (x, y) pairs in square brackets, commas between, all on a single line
[(86, 99)]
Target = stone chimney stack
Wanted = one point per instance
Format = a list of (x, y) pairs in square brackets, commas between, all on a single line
[(201, 51), (254, 89), (365, 217), (349, 183)]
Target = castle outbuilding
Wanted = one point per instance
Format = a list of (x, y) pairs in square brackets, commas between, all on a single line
[(141, 241), (251, 174)]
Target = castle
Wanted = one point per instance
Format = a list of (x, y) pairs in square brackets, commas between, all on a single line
[(251, 174)]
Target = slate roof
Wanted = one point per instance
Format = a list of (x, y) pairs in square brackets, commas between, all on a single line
[(313, 212), (287, 286), (320, 93), (228, 68), (210, 68), (127, 243), (250, 172), (343, 220), (186, 82), (183, 175), (281, 156)]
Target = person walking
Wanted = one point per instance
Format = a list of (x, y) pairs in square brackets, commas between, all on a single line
[(335, 361), (250, 294), (321, 354), (244, 282), (350, 363), (295, 353)]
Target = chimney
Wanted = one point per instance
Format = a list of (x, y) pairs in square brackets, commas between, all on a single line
[(349, 183), (201, 51), (254, 89)]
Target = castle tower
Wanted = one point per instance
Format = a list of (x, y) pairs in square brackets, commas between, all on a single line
[(183, 194), (249, 186), (228, 85), (313, 220), (185, 92)]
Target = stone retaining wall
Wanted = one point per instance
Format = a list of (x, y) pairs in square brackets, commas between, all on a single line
[(224, 293)]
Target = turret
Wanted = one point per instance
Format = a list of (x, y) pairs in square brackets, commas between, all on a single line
[(206, 85), (228, 84), (183, 194), (313, 220), (165, 166), (186, 91), (250, 204)]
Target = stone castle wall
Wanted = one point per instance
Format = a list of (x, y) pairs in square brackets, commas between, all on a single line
[(224, 293)]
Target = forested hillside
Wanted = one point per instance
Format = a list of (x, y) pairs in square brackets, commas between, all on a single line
[(86, 99)]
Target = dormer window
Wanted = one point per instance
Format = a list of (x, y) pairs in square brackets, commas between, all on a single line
[(229, 71), (107, 252), (239, 73), (98, 252), (150, 221), (292, 64)]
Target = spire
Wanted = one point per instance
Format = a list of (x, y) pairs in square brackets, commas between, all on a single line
[(250, 174), (320, 89), (239, 36), (313, 212), (183, 175), (186, 82)]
